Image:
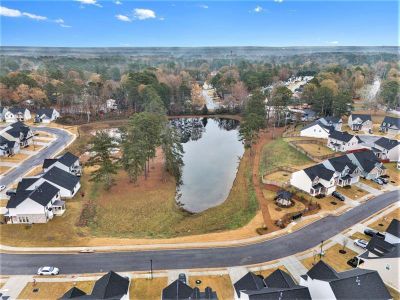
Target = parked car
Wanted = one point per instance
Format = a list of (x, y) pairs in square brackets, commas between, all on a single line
[(355, 262), (338, 196), (361, 243), (2, 187), (182, 277), (372, 232), (384, 179), (48, 271), (378, 181)]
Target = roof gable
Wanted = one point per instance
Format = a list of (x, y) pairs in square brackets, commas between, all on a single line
[(394, 228), (386, 143), (61, 178), (341, 136), (250, 281), (177, 290), (391, 122), (68, 159), (319, 171), (111, 285), (279, 279), (322, 271), (362, 117)]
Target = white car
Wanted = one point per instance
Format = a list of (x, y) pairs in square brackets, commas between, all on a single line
[(361, 243), (48, 271), (2, 187)]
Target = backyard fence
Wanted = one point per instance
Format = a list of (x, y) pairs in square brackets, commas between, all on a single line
[(316, 158)]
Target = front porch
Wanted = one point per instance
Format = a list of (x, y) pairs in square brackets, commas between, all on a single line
[(317, 189), (58, 207)]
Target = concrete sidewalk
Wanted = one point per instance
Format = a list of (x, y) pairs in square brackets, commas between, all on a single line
[(369, 189), (15, 285), (294, 266)]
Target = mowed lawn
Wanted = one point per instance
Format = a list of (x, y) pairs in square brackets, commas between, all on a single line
[(147, 289), (278, 153), (221, 284), (393, 172), (53, 290)]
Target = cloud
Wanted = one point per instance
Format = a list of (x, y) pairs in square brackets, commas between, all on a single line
[(161, 18), (123, 18), (65, 26), (203, 6), (278, 1), (89, 2), (15, 13), (333, 42), (258, 9), (144, 13), (117, 2), (61, 22), (8, 12)]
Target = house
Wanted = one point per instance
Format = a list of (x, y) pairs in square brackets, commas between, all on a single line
[(8, 148), (179, 290), (348, 172), (111, 104), (67, 183), (315, 180), (46, 115), (334, 122), (109, 286), (390, 125), (393, 232), (316, 130), (343, 141), (361, 122), (385, 148), (66, 162), (18, 132), (3, 111), (15, 114), (323, 282), (278, 285), (370, 166), (34, 206)]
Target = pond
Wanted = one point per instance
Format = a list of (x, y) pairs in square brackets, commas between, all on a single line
[(212, 155)]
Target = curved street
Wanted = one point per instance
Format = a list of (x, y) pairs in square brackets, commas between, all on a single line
[(298, 241), (63, 138)]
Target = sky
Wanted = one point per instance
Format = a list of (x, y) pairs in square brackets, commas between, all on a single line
[(122, 23)]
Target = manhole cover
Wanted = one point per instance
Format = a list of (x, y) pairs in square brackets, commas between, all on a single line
[(198, 281), (333, 203)]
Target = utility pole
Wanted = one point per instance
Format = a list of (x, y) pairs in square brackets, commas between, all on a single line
[(151, 268)]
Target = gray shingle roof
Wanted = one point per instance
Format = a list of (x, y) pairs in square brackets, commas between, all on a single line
[(341, 136), (294, 293), (279, 279), (366, 159), (362, 117), (250, 281), (110, 286), (48, 112), (387, 143), (68, 159), (43, 194), (339, 163), (322, 271), (391, 122), (394, 228), (61, 178), (73, 293), (319, 171), (177, 290)]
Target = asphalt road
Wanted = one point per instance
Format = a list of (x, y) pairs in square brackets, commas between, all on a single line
[(62, 140), (280, 247)]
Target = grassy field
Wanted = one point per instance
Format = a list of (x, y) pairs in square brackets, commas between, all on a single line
[(147, 289), (372, 184), (287, 156), (382, 223), (315, 149), (353, 192), (279, 176), (221, 284), (333, 258), (393, 172), (53, 290)]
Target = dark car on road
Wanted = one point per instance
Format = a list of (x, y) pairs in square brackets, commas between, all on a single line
[(338, 195)]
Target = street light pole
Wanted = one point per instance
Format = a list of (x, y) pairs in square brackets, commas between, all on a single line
[(151, 268)]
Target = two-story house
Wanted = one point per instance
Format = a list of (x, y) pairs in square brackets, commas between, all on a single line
[(361, 122), (348, 172), (343, 141), (66, 162), (390, 125), (18, 132), (46, 115), (15, 114), (370, 166), (385, 148)]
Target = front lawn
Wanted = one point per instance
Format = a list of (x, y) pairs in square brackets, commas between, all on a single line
[(333, 258), (278, 153), (372, 184), (53, 290), (382, 223), (353, 192), (143, 289), (221, 284), (393, 173)]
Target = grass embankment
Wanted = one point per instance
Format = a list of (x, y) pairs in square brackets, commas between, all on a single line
[(53, 290), (278, 153)]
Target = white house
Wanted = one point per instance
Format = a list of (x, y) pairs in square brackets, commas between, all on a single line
[(360, 122), (324, 282), (390, 125), (67, 183), (315, 180), (34, 206), (343, 141), (46, 115), (368, 163), (8, 148), (111, 104), (316, 130), (66, 162), (18, 132), (348, 172), (3, 111), (385, 148), (15, 114)]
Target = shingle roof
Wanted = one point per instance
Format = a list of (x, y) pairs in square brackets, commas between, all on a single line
[(26, 183), (73, 293), (48, 112), (367, 159), (328, 128), (18, 198), (391, 122), (387, 143), (68, 159), (250, 281), (44, 193), (48, 162), (322, 271), (331, 119), (61, 178), (394, 228), (110, 286), (319, 171), (16, 110), (359, 284), (341, 136), (279, 279), (340, 162), (177, 290), (362, 117), (295, 293)]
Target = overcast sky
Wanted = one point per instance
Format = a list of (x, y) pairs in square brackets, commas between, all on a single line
[(187, 23)]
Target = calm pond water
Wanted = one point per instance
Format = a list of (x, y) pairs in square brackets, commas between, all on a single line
[(212, 155)]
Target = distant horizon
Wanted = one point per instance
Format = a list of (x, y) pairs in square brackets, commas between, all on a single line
[(226, 46)]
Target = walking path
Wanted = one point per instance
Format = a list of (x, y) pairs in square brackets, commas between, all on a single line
[(294, 266), (15, 285), (235, 273)]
